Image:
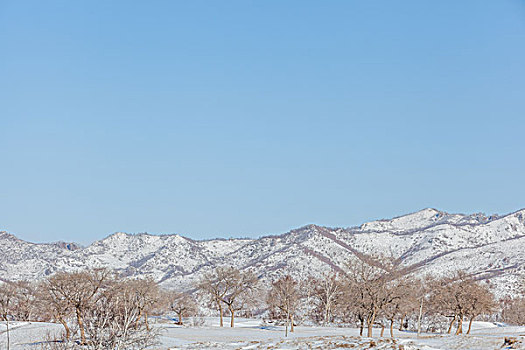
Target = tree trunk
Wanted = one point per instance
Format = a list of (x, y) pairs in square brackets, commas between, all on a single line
[(402, 322), (179, 315), (220, 313), (138, 319), (7, 332), (361, 325), (286, 324), (231, 316), (146, 320), (81, 327), (460, 325), (392, 328), (328, 312), (451, 324), (419, 318), (371, 321), (291, 324), (64, 323), (470, 324), (382, 329)]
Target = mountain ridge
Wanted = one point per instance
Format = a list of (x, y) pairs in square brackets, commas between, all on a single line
[(428, 241)]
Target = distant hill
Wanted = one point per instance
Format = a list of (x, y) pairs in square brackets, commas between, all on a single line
[(426, 242)]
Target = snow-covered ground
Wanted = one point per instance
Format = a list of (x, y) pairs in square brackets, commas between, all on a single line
[(251, 334), (28, 335)]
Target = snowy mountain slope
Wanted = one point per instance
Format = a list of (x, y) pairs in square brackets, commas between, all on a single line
[(428, 241)]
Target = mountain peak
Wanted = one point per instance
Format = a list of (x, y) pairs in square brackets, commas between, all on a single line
[(8, 236), (417, 220), (426, 212)]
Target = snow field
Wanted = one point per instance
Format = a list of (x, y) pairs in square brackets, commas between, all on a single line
[(252, 334)]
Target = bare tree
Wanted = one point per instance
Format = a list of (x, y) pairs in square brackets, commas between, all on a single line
[(352, 303), (328, 290), (147, 295), (239, 286), (80, 290), (480, 301), (308, 302), (182, 304), (52, 300), (229, 286), (403, 297), (367, 283), (412, 292), (460, 296), (441, 301), (215, 285), (25, 300), (284, 296), (111, 321)]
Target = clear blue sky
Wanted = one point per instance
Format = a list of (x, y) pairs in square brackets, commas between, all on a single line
[(246, 118)]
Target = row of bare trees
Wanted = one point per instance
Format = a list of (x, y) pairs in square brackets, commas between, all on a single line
[(371, 294), (378, 295), (375, 295), (100, 310), (97, 308)]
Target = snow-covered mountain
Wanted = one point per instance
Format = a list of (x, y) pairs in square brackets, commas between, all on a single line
[(425, 242)]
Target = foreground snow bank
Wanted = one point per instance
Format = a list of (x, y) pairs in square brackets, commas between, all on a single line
[(326, 342), (28, 335)]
